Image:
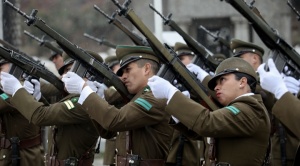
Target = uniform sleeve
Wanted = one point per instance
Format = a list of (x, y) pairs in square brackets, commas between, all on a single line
[(145, 110), (62, 113), (287, 110), (48, 89), (235, 120), (184, 130)]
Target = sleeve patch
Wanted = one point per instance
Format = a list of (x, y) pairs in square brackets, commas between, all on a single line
[(142, 102), (233, 109), (4, 96), (69, 104)]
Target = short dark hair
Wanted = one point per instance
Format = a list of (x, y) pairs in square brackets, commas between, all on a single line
[(154, 65), (250, 80)]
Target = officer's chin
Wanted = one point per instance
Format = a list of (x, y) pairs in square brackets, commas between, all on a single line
[(131, 91)]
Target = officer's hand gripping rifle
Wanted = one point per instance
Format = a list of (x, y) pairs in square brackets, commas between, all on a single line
[(216, 37), (89, 66), (286, 59), (45, 43), (186, 77), (203, 56), (24, 66), (133, 36), (100, 41)]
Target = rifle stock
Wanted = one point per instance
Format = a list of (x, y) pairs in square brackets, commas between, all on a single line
[(26, 65), (133, 36), (286, 54), (186, 77), (88, 62)]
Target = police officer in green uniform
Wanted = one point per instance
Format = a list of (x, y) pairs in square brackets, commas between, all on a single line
[(73, 136), (56, 57), (286, 107), (49, 91), (253, 54), (114, 98), (240, 128), (248, 51), (20, 139), (143, 125), (184, 53), (111, 95), (183, 150), (284, 143)]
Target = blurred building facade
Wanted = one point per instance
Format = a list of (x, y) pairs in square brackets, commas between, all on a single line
[(218, 15)]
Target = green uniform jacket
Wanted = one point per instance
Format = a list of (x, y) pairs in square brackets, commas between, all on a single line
[(144, 116), (51, 93), (286, 110), (16, 125), (241, 129), (113, 97), (291, 141), (76, 133), (190, 153)]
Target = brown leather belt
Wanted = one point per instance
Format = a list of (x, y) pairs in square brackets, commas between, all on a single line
[(26, 143), (53, 161), (125, 161)]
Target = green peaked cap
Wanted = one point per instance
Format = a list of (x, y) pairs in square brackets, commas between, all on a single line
[(239, 47), (182, 49), (232, 65), (127, 54)]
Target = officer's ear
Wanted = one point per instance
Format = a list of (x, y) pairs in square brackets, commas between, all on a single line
[(256, 59), (147, 68), (243, 82)]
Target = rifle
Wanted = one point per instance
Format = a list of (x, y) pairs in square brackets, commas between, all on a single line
[(24, 65), (294, 9), (44, 43), (100, 41), (132, 35), (185, 76), (204, 57), (216, 37), (10, 46), (89, 66), (286, 59)]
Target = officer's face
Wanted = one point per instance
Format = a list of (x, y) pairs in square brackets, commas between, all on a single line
[(58, 61), (227, 89), (5, 67), (134, 77), (68, 68), (115, 68), (186, 59), (250, 58)]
